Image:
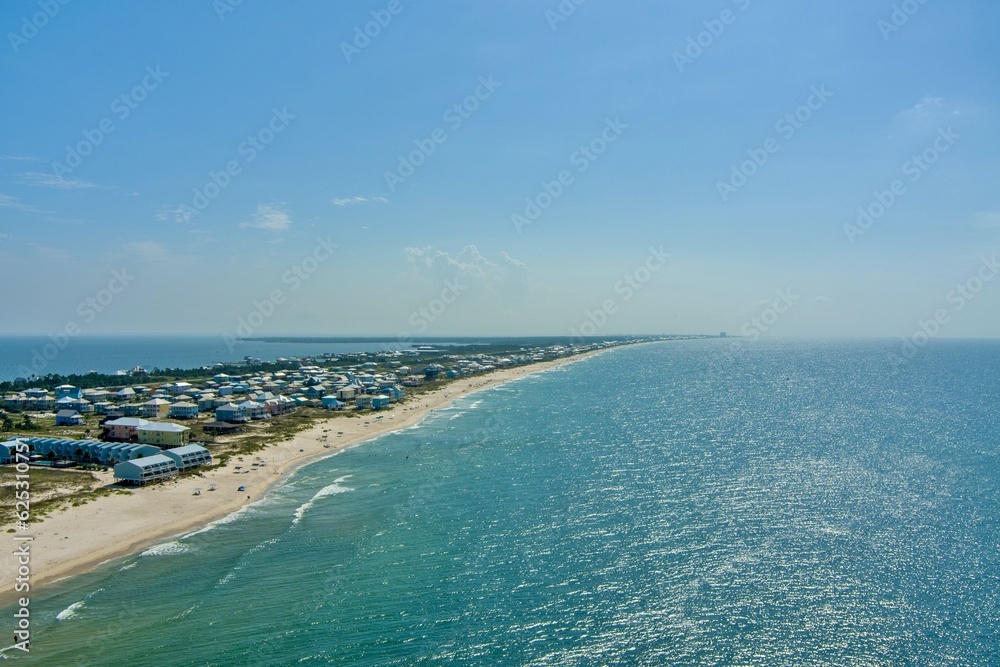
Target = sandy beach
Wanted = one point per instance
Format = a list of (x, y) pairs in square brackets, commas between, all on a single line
[(75, 540)]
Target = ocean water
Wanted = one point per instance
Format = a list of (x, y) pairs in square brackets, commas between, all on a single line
[(667, 504)]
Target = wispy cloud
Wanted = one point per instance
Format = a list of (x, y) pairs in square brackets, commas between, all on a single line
[(469, 263), (20, 158), (351, 201), (180, 215), (269, 217), (929, 113), (43, 180), (7, 201)]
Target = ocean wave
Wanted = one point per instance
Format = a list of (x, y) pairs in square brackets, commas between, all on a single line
[(70, 611), (173, 548), (251, 508), (330, 490)]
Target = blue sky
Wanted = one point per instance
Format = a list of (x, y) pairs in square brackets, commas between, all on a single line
[(224, 71)]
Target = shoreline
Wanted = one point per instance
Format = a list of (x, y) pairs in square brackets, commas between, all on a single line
[(77, 540)]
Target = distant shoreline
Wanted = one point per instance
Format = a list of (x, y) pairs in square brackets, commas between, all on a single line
[(79, 539)]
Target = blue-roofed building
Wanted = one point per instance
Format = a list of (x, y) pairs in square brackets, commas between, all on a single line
[(331, 403), (69, 390), (69, 418), (88, 451)]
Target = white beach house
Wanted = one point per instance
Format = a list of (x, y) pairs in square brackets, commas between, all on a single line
[(146, 470)]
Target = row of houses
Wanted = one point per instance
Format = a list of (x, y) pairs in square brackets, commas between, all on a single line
[(134, 429), (278, 391), (134, 464)]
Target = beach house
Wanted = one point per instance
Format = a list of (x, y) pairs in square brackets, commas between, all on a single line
[(230, 412), (163, 434), (255, 410), (183, 410), (380, 402), (88, 451), (69, 418), (363, 401), (331, 403), (189, 456), (124, 395), (123, 429), (154, 408), (146, 470), (65, 390)]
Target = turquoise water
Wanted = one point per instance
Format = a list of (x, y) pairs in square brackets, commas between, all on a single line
[(667, 504)]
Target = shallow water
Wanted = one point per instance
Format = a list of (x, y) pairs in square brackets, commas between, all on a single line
[(672, 504)]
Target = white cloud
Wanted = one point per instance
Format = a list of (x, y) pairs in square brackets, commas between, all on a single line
[(468, 263), (6, 201), (928, 114), (180, 215), (21, 158), (269, 217), (351, 201), (39, 179)]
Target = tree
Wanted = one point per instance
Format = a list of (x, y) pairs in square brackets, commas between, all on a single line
[(8, 423), (27, 423)]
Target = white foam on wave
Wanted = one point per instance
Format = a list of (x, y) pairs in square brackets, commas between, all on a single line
[(330, 490), (235, 516), (475, 405), (129, 566), (70, 611), (173, 548)]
